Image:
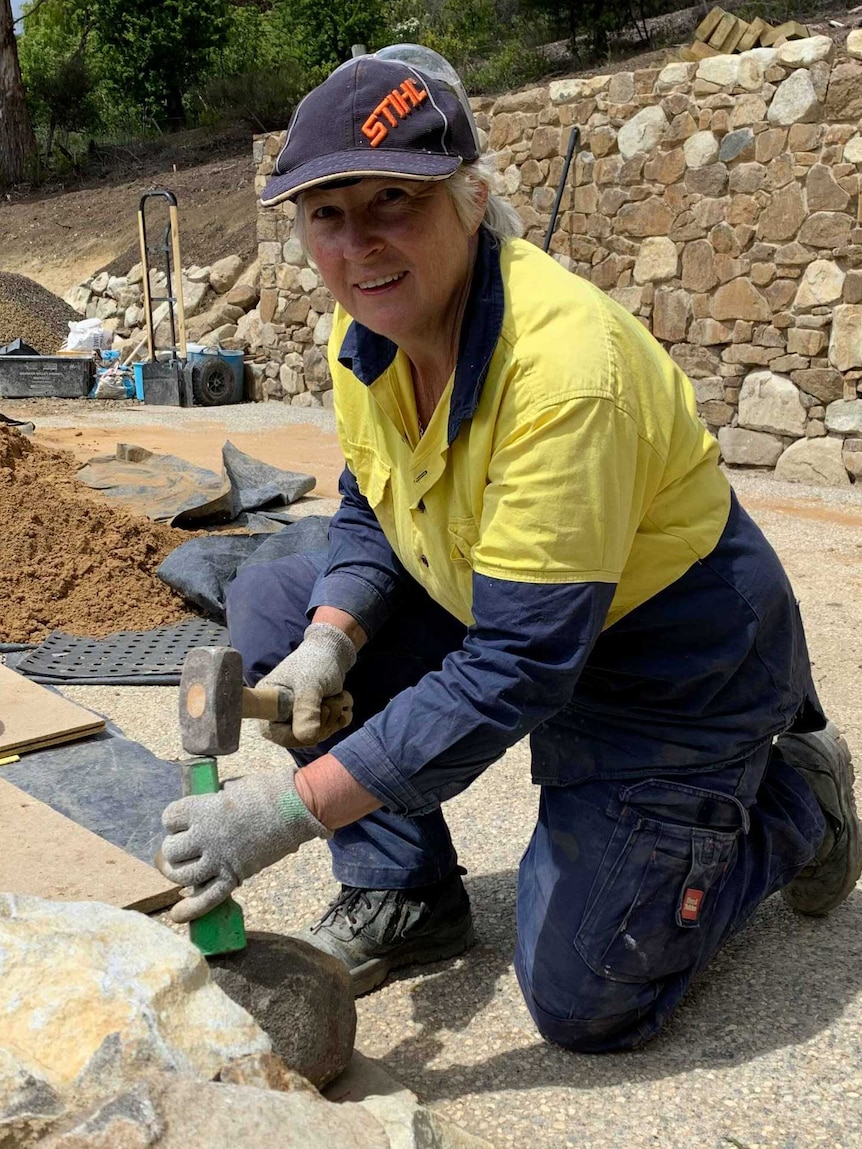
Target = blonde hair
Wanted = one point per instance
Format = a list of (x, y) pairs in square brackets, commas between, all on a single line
[(465, 186)]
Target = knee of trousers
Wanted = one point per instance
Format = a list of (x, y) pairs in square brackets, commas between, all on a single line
[(593, 1015), (266, 615)]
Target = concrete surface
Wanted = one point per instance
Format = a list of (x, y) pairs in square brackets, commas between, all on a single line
[(767, 1049)]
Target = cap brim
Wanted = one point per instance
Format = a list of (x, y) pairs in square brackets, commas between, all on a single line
[(347, 165)]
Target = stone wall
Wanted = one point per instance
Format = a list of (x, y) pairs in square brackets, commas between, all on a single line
[(717, 201)]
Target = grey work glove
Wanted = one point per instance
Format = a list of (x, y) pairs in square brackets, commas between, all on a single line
[(314, 673), (216, 841)]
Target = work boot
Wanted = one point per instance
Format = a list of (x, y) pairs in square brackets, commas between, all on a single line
[(823, 760), (376, 931)]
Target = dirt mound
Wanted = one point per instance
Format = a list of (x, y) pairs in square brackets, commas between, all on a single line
[(30, 312), (70, 562)]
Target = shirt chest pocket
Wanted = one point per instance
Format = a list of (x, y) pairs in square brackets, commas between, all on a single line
[(463, 537), (372, 475)]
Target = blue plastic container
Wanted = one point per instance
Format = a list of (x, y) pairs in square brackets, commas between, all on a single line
[(138, 371)]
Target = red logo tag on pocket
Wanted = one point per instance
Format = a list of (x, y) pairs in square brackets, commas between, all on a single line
[(691, 900)]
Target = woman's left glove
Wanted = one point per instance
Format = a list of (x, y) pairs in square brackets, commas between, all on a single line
[(216, 841)]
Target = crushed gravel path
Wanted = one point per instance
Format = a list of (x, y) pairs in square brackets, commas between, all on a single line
[(766, 1050)]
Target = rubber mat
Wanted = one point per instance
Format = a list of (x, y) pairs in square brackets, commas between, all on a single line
[(127, 658)]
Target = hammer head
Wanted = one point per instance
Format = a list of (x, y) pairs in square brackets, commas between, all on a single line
[(211, 700)]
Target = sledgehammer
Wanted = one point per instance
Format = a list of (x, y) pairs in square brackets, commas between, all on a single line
[(213, 703)]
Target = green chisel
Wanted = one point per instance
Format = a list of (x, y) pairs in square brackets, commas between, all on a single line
[(221, 930)]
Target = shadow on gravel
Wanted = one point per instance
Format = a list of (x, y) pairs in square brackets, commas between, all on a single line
[(782, 981)]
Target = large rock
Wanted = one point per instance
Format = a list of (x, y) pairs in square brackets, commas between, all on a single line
[(194, 295), (824, 383), (769, 402), (815, 461), (823, 191), (700, 149), (795, 102), (698, 267), (826, 229), (28, 1104), (822, 284), (244, 295), (224, 273), (722, 70), (671, 313), (656, 260), (214, 317), (300, 996), (783, 216), (651, 216), (854, 44), (78, 298), (845, 342), (851, 454), (739, 299), (171, 1112), (804, 53), (743, 448), (845, 416), (642, 132), (115, 994), (844, 97)]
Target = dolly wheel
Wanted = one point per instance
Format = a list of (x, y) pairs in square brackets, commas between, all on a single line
[(212, 383)]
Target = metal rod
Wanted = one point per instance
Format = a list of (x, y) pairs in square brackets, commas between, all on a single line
[(573, 140)]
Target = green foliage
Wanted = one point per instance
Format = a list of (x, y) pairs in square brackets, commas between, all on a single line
[(594, 24), (57, 67), (321, 35), (488, 42), (262, 98), (155, 50)]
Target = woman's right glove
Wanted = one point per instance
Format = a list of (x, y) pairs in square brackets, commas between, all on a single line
[(314, 673)]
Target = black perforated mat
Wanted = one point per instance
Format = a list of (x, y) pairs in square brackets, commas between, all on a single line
[(127, 658)]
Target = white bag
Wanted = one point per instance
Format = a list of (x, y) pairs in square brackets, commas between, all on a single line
[(87, 335)]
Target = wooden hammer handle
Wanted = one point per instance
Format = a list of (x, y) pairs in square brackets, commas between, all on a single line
[(271, 703)]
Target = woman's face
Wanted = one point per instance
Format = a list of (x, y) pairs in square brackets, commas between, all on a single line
[(394, 253)]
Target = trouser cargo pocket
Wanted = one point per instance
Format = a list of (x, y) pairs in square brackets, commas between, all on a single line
[(648, 911)]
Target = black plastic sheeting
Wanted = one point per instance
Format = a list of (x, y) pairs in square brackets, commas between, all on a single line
[(106, 783), (203, 569), (171, 490)]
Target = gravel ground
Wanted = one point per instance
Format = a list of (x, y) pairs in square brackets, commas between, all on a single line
[(766, 1049)]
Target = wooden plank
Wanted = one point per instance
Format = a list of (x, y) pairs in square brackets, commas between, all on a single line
[(32, 717), (709, 24), (48, 855), (723, 29), (752, 35)]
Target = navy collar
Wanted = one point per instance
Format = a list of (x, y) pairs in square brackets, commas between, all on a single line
[(368, 355)]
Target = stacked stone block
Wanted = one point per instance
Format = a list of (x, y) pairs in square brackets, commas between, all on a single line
[(717, 201)]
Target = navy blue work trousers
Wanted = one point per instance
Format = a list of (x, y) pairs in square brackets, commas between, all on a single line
[(627, 887)]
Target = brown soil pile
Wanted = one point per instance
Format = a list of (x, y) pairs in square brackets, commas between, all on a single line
[(69, 561), (30, 312)]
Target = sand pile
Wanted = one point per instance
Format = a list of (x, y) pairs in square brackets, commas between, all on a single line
[(69, 561), (30, 312)]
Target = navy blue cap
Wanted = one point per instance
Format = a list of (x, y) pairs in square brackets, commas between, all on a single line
[(372, 117)]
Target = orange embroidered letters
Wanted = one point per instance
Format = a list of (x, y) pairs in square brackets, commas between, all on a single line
[(400, 101)]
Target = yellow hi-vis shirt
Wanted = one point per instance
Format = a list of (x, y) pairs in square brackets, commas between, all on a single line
[(584, 461)]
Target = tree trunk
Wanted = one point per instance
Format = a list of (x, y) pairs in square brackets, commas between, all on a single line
[(17, 142)]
